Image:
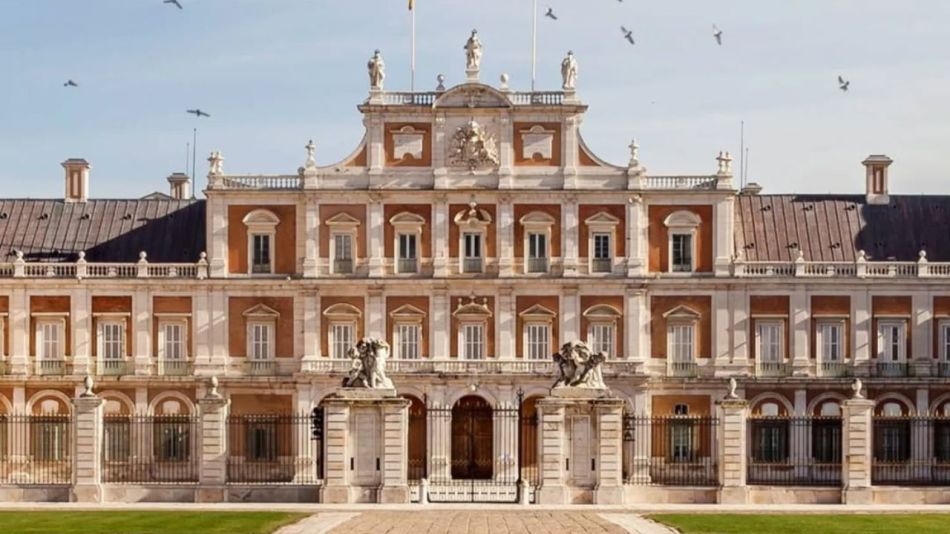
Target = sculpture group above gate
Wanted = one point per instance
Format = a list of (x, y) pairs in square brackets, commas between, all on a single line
[(369, 365), (579, 366)]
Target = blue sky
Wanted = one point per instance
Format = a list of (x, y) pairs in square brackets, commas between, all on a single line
[(274, 73)]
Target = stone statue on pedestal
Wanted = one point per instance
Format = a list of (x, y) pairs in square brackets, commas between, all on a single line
[(473, 53), (579, 366), (369, 365), (569, 72), (377, 71)]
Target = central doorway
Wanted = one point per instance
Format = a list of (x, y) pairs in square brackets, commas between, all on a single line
[(472, 439)]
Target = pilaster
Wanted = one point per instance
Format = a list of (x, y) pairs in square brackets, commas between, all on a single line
[(377, 258), (20, 333), (311, 238), (440, 325), (507, 321), (311, 326), (506, 235), (141, 322), (376, 313), (861, 302), (636, 262), (569, 237), (570, 315), (920, 325), (552, 424), (80, 320), (799, 325), (87, 449), (723, 212), (440, 238)]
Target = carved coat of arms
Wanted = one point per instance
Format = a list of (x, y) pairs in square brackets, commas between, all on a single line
[(473, 147)]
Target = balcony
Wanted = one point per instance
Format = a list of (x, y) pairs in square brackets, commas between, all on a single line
[(472, 265), (343, 266), (407, 265), (892, 369), (537, 265), (682, 369), (51, 367), (112, 367), (834, 369), (601, 265), (175, 368), (261, 367), (467, 367), (943, 369), (772, 369)]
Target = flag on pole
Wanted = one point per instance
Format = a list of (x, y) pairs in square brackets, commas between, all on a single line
[(412, 4)]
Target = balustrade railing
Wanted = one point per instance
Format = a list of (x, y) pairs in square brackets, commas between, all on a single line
[(537, 265), (407, 265), (107, 367), (682, 369), (601, 265), (772, 369), (472, 265), (835, 369), (175, 367), (680, 182), (50, 367), (261, 181), (261, 367)]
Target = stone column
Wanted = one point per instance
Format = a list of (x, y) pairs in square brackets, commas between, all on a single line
[(856, 438), (722, 232), (303, 446), (376, 251), (569, 237), (217, 238), (439, 438), (376, 313), (633, 315), (732, 444), (213, 455), (311, 328), (570, 315), (609, 489), (311, 235), (636, 264), (507, 321), (87, 448), (722, 334), (440, 237), (553, 485), (506, 236), (441, 323)]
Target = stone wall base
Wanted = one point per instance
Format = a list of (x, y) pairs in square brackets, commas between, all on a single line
[(335, 495), (86, 493), (858, 496), (34, 493), (793, 495), (609, 495), (734, 495), (211, 494), (394, 495), (274, 494), (904, 495), (552, 495), (144, 493), (669, 495)]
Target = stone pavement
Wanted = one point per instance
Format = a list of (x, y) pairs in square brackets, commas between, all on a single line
[(474, 522)]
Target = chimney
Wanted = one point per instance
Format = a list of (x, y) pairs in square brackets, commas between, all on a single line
[(876, 188), (180, 186), (77, 179)]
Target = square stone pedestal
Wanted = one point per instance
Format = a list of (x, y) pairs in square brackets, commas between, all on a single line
[(365, 446), (581, 447)]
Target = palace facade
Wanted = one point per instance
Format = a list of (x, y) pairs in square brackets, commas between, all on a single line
[(474, 230)]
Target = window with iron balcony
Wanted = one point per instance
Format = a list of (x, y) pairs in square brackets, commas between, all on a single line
[(408, 240), (343, 242), (50, 354), (111, 348), (261, 324), (892, 348), (172, 347), (681, 335)]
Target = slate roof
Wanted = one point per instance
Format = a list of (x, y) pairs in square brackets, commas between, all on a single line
[(169, 231), (836, 227)]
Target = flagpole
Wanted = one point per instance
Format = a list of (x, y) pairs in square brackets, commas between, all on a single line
[(412, 47), (534, 42)]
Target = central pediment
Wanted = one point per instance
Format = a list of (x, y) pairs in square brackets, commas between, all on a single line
[(471, 96)]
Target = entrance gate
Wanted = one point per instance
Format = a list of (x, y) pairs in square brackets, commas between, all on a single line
[(485, 463)]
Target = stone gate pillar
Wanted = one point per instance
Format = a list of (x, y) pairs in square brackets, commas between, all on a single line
[(213, 452), (856, 440), (733, 451), (609, 423), (87, 447)]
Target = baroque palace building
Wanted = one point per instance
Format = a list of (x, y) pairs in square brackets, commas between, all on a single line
[(475, 232)]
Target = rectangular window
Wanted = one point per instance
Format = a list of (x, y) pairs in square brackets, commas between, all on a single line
[(890, 337), (408, 343), (769, 343), (537, 246), (260, 254), (407, 246), (50, 342), (112, 340), (473, 342), (681, 253), (473, 245), (262, 339), (343, 340), (601, 246), (537, 341), (173, 341), (600, 337), (342, 253), (681, 342), (831, 346)]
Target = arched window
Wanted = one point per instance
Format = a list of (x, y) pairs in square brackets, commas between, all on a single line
[(261, 237)]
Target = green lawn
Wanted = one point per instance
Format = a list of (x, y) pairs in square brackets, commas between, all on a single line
[(806, 523), (117, 522)]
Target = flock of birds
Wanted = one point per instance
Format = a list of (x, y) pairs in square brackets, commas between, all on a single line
[(717, 33)]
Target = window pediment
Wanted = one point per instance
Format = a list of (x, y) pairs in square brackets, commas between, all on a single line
[(343, 219), (538, 312), (406, 218), (602, 218), (407, 312), (261, 311), (683, 313), (682, 219), (262, 218), (473, 216), (602, 312), (343, 311), (537, 218), (474, 309)]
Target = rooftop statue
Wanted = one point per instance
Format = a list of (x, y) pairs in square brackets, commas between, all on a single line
[(473, 53), (377, 71), (369, 365), (578, 366), (569, 72)]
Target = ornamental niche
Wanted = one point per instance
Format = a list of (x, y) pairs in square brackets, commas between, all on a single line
[(368, 369), (473, 147), (579, 367)]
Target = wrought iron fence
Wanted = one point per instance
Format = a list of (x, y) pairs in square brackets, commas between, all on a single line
[(36, 449), (147, 449), (670, 450), (275, 449), (911, 451), (795, 451)]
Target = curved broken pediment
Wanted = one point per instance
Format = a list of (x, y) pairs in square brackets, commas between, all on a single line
[(472, 95)]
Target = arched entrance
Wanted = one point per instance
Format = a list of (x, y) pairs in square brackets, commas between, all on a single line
[(418, 449), (472, 439)]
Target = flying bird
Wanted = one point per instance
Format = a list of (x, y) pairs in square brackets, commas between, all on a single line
[(175, 3), (70, 83), (843, 84), (627, 34), (717, 33), (550, 14), (197, 113)]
